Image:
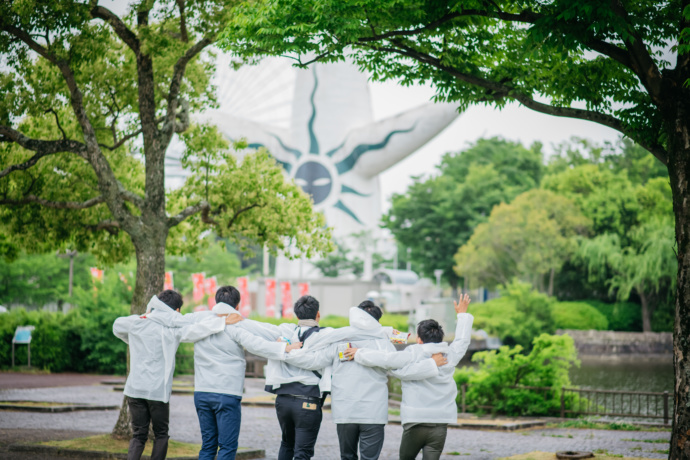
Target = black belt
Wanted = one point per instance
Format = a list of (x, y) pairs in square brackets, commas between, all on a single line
[(306, 398)]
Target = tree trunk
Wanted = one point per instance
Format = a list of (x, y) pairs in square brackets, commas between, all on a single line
[(646, 313), (150, 252), (679, 173), (552, 275)]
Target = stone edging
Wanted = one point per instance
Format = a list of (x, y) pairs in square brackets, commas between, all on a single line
[(517, 425), (247, 454)]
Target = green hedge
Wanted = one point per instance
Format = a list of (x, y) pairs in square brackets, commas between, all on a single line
[(578, 315), (622, 316)]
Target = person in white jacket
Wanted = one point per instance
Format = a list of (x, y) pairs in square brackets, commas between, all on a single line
[(153, 340), (359, 394), (219, 368), (428, 404)]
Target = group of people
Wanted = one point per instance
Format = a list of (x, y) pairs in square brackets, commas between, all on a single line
[(305, 364)]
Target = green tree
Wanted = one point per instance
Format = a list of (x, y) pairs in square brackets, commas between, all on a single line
[(90, 104), (622, 64), (438, 215), (643, 266), (530, 239)]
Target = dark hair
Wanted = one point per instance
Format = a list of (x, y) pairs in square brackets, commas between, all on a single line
[(229, 295), (430, 331), (371, 308), (306, 307), (171, 298)]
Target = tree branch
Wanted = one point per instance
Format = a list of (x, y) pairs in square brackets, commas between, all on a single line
[(240, 211), (118, 26), (501, 90), (57, 122), (33, 199), (110, 226), (187, 212), (183, 22)]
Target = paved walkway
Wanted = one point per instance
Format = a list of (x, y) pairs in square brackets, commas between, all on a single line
[(260, 428)]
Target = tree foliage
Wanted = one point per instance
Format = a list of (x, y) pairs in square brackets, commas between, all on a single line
[(438, 214), (529, 238)]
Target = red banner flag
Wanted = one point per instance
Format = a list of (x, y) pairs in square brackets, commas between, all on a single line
[(168, 283), (243, 286), (211, 287), (198, 283), (286, 296), (270, 297), (303, 289)]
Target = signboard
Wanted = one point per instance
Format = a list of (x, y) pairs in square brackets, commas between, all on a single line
[(270, 297), (286, 296), (23, 334), (243, 286)]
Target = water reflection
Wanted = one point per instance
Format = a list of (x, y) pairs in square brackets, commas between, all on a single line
[(632, 374)]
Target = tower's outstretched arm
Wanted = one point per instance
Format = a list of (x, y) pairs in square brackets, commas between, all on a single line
[(374, 148), (276, 140)]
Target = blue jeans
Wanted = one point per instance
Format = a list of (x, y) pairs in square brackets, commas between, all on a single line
[(219, 418)]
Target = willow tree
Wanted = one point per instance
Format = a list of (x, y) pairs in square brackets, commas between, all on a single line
[(618, 63), (89, 105)]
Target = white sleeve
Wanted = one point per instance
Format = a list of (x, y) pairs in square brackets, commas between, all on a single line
[(257, 345), (122, 325), (383, 359), (312, 360), (463, 337), (420, 370), (200, 330)]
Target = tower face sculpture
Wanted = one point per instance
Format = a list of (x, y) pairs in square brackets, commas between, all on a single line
[(334, 150)]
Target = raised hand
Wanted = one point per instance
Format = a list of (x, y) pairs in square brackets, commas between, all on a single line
[(462, 304), (439, 359), (233, 319), (293, 346)]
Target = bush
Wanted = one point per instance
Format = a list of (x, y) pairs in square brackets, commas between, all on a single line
[(622, 316), (578, 315), (547, 365), (518, 316)]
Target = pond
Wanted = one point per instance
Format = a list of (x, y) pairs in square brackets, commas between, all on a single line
[(630, 373)]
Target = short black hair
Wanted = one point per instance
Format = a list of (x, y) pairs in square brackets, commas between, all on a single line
[(171, 298), (229, 295), (430, 331), (371, 308), (306, 307)]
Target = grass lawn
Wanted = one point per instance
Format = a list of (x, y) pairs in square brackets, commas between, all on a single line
[(105, 443), (618, 426), (34, 403), (551, 456)]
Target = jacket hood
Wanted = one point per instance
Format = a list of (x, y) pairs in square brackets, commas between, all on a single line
[(362, 320), (432, 348), (156, 304), (222, 308)]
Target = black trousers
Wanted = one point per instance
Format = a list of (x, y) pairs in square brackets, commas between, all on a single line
[(368, 436), (300, 421), (144, 412), (427, 437)]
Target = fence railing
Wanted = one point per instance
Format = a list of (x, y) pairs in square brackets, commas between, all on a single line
[(613, 403)]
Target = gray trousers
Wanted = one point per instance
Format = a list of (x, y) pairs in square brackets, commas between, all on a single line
[(368, 436), (427, 437)]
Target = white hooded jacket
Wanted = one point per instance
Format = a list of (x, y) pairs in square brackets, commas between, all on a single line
[(153, 340), (427, 399), (359, 394), (219, 363)]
